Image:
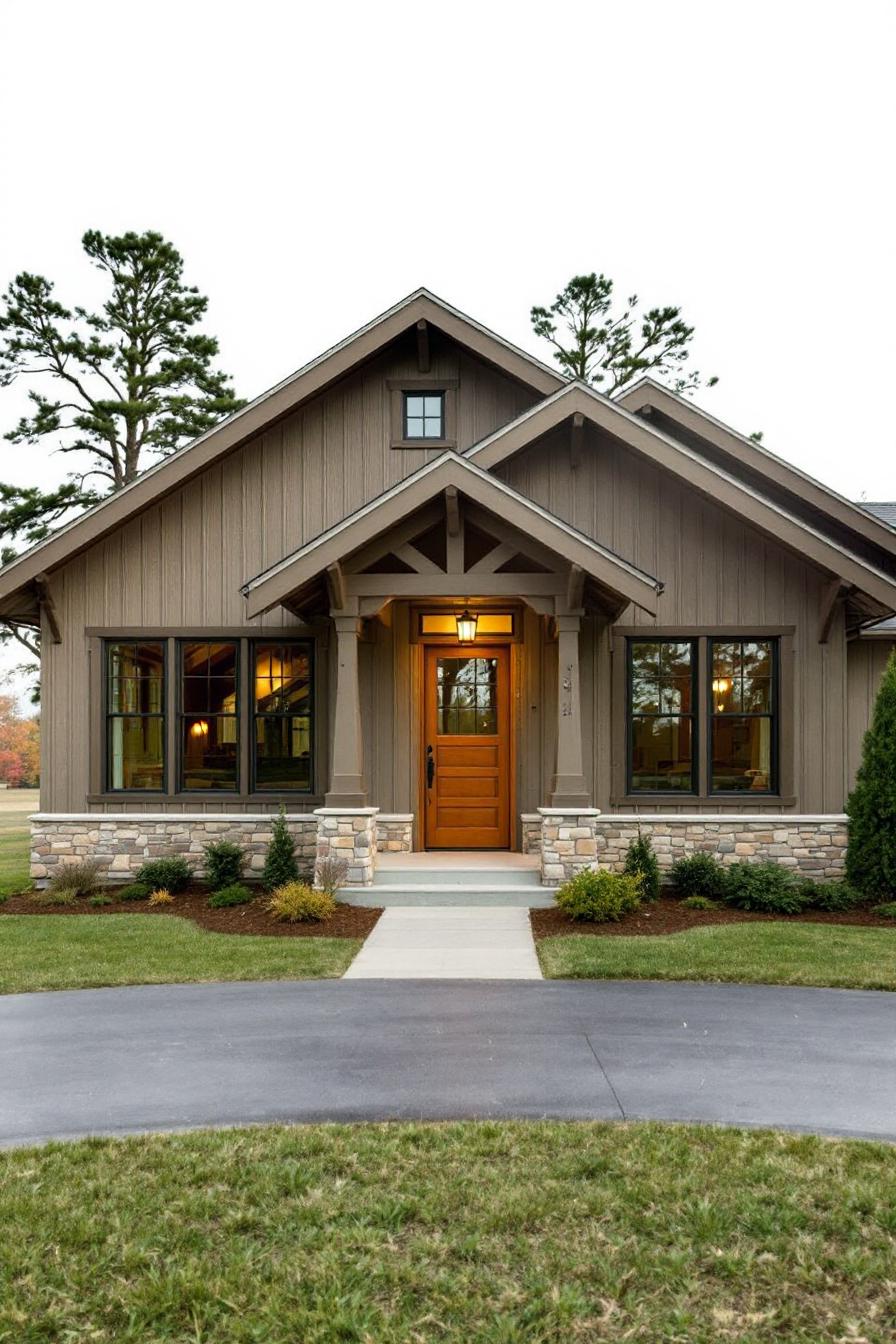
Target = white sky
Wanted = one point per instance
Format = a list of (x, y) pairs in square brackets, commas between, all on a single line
[(315, 164)]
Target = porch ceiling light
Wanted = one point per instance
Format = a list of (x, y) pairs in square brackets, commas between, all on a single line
[(466, 626)]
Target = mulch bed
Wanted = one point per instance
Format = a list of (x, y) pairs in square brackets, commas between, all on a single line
[(349, 921), (669, 916)]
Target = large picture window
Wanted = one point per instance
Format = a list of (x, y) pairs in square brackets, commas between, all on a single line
[(283, 710), (743, 709), (209, 717), (135, 716), (661, 707)]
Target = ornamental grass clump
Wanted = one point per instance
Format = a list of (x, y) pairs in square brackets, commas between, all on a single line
[(699, 874), (331, 874), (599, 896), (161, 897), (641, 861), (296, 902), (763, 887), (235, 894), (71, 881), (223, 864), (173, 874), (280, 865)]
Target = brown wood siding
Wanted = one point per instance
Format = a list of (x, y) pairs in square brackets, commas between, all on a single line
[(182, 562), (865, 663), (718, 572)]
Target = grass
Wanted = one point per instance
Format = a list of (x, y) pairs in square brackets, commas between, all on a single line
[(772, 953), (508, 1233), (14, 860), (85, 951)]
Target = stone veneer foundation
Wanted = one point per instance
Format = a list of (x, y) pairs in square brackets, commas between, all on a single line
[(813, 846), (348, 834)]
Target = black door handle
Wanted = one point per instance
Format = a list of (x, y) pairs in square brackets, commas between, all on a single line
[(430, 767)]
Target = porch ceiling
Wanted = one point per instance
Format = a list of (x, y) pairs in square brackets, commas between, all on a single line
[(387, 549)]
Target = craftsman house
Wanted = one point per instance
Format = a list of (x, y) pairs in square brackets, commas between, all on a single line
[(429, 594)]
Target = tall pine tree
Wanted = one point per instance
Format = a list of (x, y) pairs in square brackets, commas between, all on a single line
[(871, 855)]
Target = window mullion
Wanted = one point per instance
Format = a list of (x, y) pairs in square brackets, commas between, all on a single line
[(702, 720)]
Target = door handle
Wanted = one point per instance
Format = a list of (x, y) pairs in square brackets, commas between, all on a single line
[(430, 767)]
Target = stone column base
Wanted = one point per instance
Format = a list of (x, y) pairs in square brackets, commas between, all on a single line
[(395, 833), (568, 842), (348, 833)]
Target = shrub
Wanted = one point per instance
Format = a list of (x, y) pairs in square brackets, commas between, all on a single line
[(296, 901), (223, 864), (330, 875), (600, 896), (699, 874), (161, 897), (100, 900), (172, 874), (135, 891), (871, 851), (640, 861), (280, 867), (234, 894), (887, 909), (763, 886), (700, 903), (71, 881), (831, 896)]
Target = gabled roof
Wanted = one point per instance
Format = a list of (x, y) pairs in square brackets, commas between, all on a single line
[(271, 406), (696, 471), (648, 395), (269, 588), (885, 511)]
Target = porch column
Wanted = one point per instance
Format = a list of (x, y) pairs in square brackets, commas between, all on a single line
[(568, 787), (347, 786)]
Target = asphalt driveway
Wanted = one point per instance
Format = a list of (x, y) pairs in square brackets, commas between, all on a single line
[(171, 1057)]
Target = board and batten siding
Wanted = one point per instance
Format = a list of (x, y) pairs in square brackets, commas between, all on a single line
[(718, 572), (865, 663), (182, 562)]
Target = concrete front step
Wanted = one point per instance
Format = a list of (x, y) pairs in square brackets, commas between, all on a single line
[(522, 897), (457, 877)]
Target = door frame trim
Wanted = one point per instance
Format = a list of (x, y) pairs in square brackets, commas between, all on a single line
[(452, 647)]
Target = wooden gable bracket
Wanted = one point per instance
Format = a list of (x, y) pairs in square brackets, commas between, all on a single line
[(455, 528), (575, 587), (336, 590), (576, 436), (422, 346), (836, 591), (48, 606)]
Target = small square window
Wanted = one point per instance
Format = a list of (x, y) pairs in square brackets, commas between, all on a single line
[(424, 415)]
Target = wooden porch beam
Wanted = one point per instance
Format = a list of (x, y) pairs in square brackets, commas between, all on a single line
[(455, 585), (422, 346), (497, 556), (48, 606), (452, 511), (526, 545), (396, 536), (454, 539), (419, 562)]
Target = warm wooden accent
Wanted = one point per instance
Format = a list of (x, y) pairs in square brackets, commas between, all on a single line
[(468, 804), (422, 346)]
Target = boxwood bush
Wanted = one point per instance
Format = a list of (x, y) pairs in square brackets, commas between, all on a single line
[(765, 887), (172, 874), (223, 863), (600, 896), (135, 891), (831, 896), (699, 874), (235, 894)]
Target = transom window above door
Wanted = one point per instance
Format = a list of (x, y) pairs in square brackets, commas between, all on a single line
[(423, 415)]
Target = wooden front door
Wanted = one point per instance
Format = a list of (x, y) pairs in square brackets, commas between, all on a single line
[(466, 747)]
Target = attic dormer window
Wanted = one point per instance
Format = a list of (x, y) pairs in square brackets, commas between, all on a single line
[(423, 415)]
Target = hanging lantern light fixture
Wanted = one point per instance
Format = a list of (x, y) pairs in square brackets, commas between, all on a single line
[(466, 626)]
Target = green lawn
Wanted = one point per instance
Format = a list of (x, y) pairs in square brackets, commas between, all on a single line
[(14, 860), (522, 1233), (82, 951), (774, 953)]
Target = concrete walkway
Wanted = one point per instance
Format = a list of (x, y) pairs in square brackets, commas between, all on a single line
[(448, 942), (178, 1056)]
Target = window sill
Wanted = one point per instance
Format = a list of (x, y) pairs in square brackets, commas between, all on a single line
[(423, 443), (126, 796), (715, 801)]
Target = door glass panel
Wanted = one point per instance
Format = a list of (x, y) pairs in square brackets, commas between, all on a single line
[(467, 696)]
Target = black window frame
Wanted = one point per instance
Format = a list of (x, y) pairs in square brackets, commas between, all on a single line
[(693, 715), (423, 438), (774, 716), (310, 646), (108, 714), (180, 716)]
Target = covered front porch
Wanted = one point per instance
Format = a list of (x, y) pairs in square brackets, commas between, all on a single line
[(456, 716)]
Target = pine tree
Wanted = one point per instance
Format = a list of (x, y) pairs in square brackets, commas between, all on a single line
[(641, 861), (871, 854), (280, 864)]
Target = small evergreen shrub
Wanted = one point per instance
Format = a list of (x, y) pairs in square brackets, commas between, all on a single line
[(700, 903), (161, 897), (296, 901), (330, 875), (766, 887), (100, 900), (235, 894), (641, 861), (871, 808), (886, 908), (71, 881), (834, 897), (223, 864), (280, 865), (599, 896), (172, 874), (135, 891), (699, 874)]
